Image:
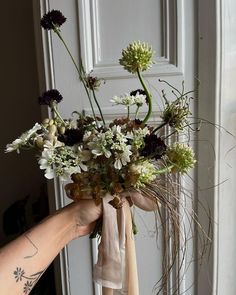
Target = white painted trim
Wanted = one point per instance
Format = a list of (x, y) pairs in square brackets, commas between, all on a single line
[(209, 108)]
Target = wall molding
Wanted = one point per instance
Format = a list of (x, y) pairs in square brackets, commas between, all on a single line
[(169, 64)]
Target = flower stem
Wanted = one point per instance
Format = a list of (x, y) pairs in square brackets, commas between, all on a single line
[(149, 99), (136, 113), (128, 115), (99, 108), (54, 109), (164, 170), (159, 127), (77, 69)]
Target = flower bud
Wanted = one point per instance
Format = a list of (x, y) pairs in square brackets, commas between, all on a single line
[(52, 129), (62, 130), (51, 122), (51, 137), (39, 142)]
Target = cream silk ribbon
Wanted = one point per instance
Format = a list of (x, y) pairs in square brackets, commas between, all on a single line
[(116, 268)]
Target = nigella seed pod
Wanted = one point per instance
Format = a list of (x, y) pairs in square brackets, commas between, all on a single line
[(52, 129), (39, 142), (51, 137), (46, 121), (62, 130), (51, 122)]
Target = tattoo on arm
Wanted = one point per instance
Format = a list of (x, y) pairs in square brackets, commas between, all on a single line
[(35, 248), (29, 281)]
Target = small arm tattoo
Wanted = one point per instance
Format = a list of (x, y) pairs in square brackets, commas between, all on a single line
[(29, 281), (34, 246)]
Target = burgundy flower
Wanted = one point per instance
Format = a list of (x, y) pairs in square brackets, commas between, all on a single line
[(154, 146), (140, 91), (52, 19), (50, 96), (71, 137)]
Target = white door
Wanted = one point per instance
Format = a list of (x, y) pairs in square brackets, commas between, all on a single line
[(98, 30)]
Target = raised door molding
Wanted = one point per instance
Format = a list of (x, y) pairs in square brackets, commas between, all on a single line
[(96, 33)]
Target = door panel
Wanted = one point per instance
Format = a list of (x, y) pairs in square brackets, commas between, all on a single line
[(98, 30)]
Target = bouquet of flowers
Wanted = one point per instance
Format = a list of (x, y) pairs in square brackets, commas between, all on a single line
[(126, 154)]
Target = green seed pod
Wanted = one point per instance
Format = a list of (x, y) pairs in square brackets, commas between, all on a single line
[(46, 121), (50, 137), (51, 122), (39, 142), (52, 129), (62, 129)]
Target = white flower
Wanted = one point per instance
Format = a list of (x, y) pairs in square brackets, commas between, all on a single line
[(14, 146), (139, 99), (52, 144), (126, 100), (33, 130), (137, 136), (46, 162), (101, 144), (122, 158), (23, 140)]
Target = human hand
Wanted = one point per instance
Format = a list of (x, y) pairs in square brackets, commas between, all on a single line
[(85, 214)]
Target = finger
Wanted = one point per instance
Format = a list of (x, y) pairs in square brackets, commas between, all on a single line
[(86, 229)]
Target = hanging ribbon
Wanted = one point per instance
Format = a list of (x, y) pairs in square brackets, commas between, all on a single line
[(116, 268)]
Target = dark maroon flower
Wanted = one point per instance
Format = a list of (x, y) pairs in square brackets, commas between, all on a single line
[(52, 19), (49, 96), (140, 91), (154, 147), (71, 137)]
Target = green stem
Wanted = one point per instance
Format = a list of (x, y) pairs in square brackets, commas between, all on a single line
[(128, 115), (164, 170), (149, 99), (159, 127), (136, 113), (54, 109), (100, 111), (77, 69)]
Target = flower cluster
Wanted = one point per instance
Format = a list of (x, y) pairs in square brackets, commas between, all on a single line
[(99, 158), (137, 57)]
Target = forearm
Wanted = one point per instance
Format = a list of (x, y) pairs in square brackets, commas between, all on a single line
[(24, 260)]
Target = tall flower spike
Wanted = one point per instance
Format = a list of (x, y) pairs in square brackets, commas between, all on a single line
[(137, 57), (52, 19)]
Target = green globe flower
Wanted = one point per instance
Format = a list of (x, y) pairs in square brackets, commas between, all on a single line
[(181, 156), (137, 57)]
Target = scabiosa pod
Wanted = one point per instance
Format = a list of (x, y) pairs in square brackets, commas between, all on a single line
[(137, 58), (181, 156)]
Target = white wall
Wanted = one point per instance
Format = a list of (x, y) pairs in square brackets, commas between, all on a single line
[(19, 175)]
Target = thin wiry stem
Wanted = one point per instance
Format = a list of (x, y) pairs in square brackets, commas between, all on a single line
[(57, 31)]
